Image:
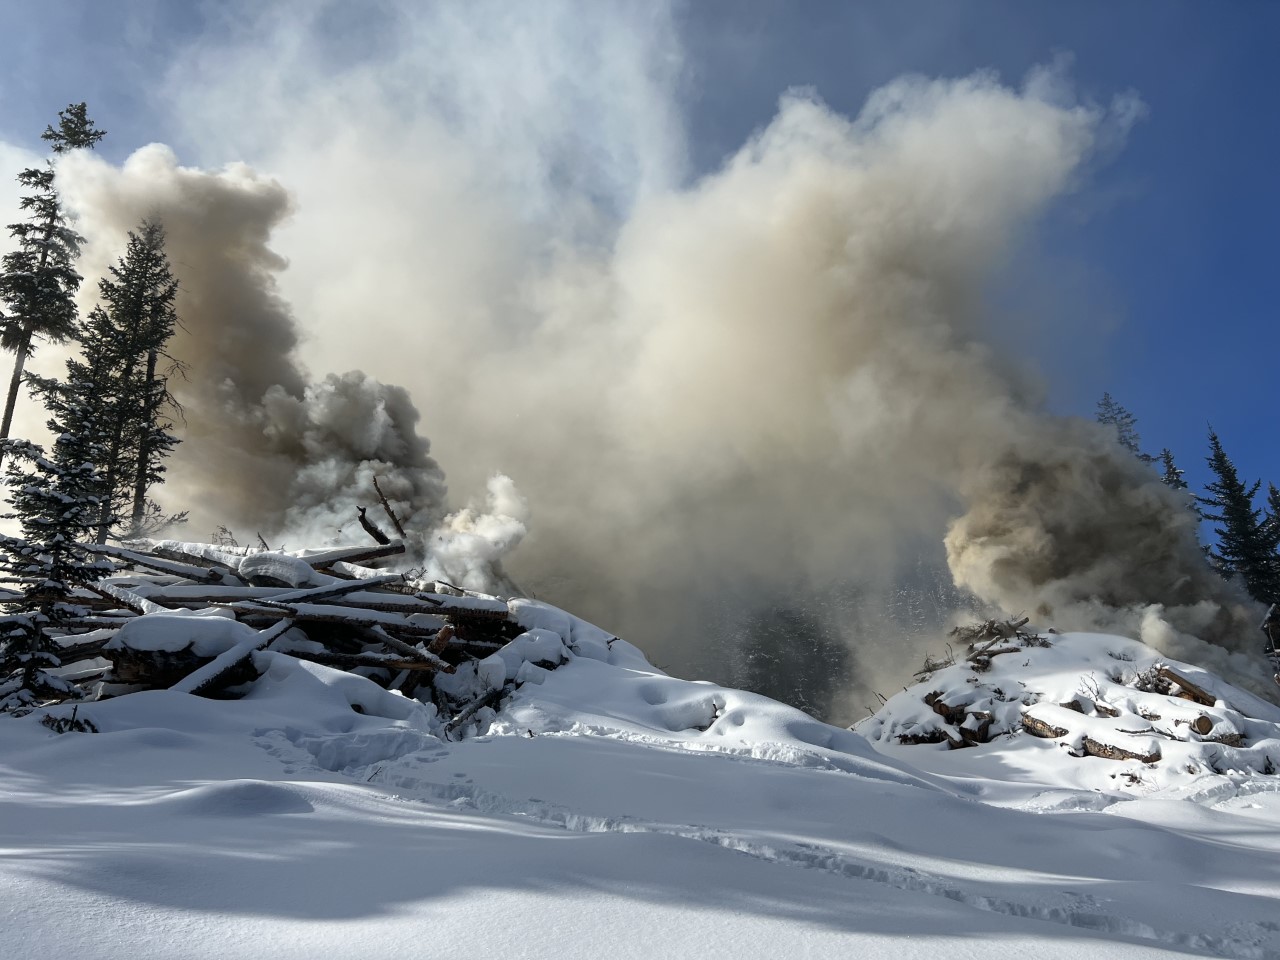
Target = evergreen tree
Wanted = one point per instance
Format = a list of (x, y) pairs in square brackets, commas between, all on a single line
[(116, 391), (56, 499), (38, 280), (1247, 542), (1273, 533), (1171, 474), (152, 439), (1113, 414), (1273, 507)]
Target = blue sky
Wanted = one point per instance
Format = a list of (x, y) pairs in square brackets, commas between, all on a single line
[(1165, 261)]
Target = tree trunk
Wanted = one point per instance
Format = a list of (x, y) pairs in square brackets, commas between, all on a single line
[(24, 348), (11, 401), (144, 451), (111, 476)]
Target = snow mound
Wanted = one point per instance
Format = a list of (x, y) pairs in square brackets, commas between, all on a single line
[(565, 785), (206, 633), (237, 798), (1082, 711)]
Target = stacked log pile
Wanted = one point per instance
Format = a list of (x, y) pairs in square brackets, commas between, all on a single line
[(331, 607), (1126, 711)]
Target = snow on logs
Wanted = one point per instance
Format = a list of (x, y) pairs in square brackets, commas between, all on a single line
[(1093, 696), (190, 617)]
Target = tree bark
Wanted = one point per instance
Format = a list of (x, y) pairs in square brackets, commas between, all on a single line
[(24, 348), (19, 362), (144, 450), (111, 475)]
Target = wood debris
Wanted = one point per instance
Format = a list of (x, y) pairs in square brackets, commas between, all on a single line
[(323, 606), (1115, 714)]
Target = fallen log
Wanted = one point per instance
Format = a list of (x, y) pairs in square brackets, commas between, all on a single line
[(1189, 690), (491, 699), (976, 727), (224, 560), (221, 570), (78, 652), (1039, 728), (77, 625), (377, 634), (229, 668), (354, 554), (979, 651), (270, 569), (349, 571), (1109, 751), (188, 571), (384, 661), (455, 608), (1078, 705), (948, 712), (441, 640), (331, 590), (155, 669), (353, 618), (127, 598), (939, 735), (1227, 739)]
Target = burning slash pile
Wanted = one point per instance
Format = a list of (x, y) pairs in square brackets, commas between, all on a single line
[(1091, 695), (197, 618)]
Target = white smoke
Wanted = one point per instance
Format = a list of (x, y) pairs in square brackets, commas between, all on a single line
[(468, 549)]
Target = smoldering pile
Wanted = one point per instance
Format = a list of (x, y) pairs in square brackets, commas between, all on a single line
[(789, 364), (198, 618)]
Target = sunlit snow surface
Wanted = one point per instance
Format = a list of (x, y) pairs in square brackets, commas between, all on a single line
[(607, 811)]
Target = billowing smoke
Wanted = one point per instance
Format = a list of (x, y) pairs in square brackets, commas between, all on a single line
[(738, 409), (266, 447), (1075, 531)]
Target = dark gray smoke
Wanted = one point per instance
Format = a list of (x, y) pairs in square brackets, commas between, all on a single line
[(267, 448), (1067, 526)]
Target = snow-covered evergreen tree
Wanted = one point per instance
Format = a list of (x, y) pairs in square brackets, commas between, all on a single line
[(1247, 542), (38, 280), (56, 498), (1125, 423)]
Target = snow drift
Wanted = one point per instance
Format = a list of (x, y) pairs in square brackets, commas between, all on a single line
[(598, 804)]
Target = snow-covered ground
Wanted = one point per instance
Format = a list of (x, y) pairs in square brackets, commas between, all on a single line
[(608, 810)]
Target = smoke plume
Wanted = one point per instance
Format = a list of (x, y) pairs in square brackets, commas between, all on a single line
[(267, 447), (777, 385)]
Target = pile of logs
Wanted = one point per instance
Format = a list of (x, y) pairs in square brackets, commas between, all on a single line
[(985, 640), (1126, 715), (330, 607)]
